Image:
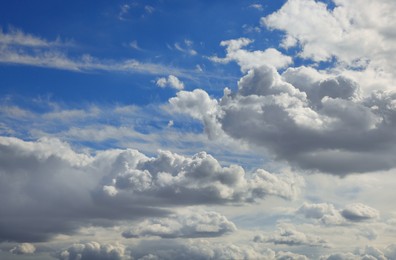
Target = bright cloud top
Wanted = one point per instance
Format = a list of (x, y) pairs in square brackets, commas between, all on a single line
[(311, 121)]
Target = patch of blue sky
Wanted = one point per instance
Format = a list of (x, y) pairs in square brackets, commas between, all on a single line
[(169, 33)]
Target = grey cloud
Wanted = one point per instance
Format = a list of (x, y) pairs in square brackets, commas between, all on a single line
[(327, 214), (191, 223), (288, 235), (340, 256), (289, 256), (368, 253), (359, 212), (318, 124), (46, 188), (202, 249), (368, 233), (93, 251)]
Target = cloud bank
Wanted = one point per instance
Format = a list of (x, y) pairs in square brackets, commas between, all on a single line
[(120, 185)]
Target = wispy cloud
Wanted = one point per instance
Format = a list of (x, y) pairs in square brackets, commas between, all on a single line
[(20, 48)]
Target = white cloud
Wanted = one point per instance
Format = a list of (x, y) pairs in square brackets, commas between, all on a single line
[(23, 248), (190, 223), (357, 33), (257, 7), (248, 60), (200, 179), (326, 213), (204, 249), (20, 48), (288, 235), (368, 253), (117, 185), (171, 81), (185, 47), (359, 212), (134, 45), (17, 37), (149, 9), (93, 250), (323, 124)]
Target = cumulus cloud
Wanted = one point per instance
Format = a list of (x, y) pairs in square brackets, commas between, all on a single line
[(368, 253), (247, 59), (322, 125), (203, 249), (171, 81), (357, 38), (288, 235), (290, 256), (200, 179), (93, 250), (326, 213), (23, 248), (55, 190), (359, 212), (192, 223)]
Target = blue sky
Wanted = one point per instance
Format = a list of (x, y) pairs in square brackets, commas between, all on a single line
[(153, 32), (195, 129)]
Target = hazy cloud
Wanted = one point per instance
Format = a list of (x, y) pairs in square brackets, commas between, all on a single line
[(190, 223), (23, 248), (92, 251), (288, 235), (326, 213), (21, 48), (359, 212)]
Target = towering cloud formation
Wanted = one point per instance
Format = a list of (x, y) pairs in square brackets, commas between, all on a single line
[(300, 116)]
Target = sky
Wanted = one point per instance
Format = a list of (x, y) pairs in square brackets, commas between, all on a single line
[(172, 129)]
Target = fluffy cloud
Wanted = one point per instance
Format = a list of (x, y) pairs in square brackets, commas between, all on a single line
[(324, 212), (290, 256), (203, 249), (23, 248), (93, 250), (288, 235), (368, 253), (323, 124), (324, 33), (193, 223), (329, 215), (55, 190), (175, 179), (248, 60), (171, 81), (357, 38), (359, 212)]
